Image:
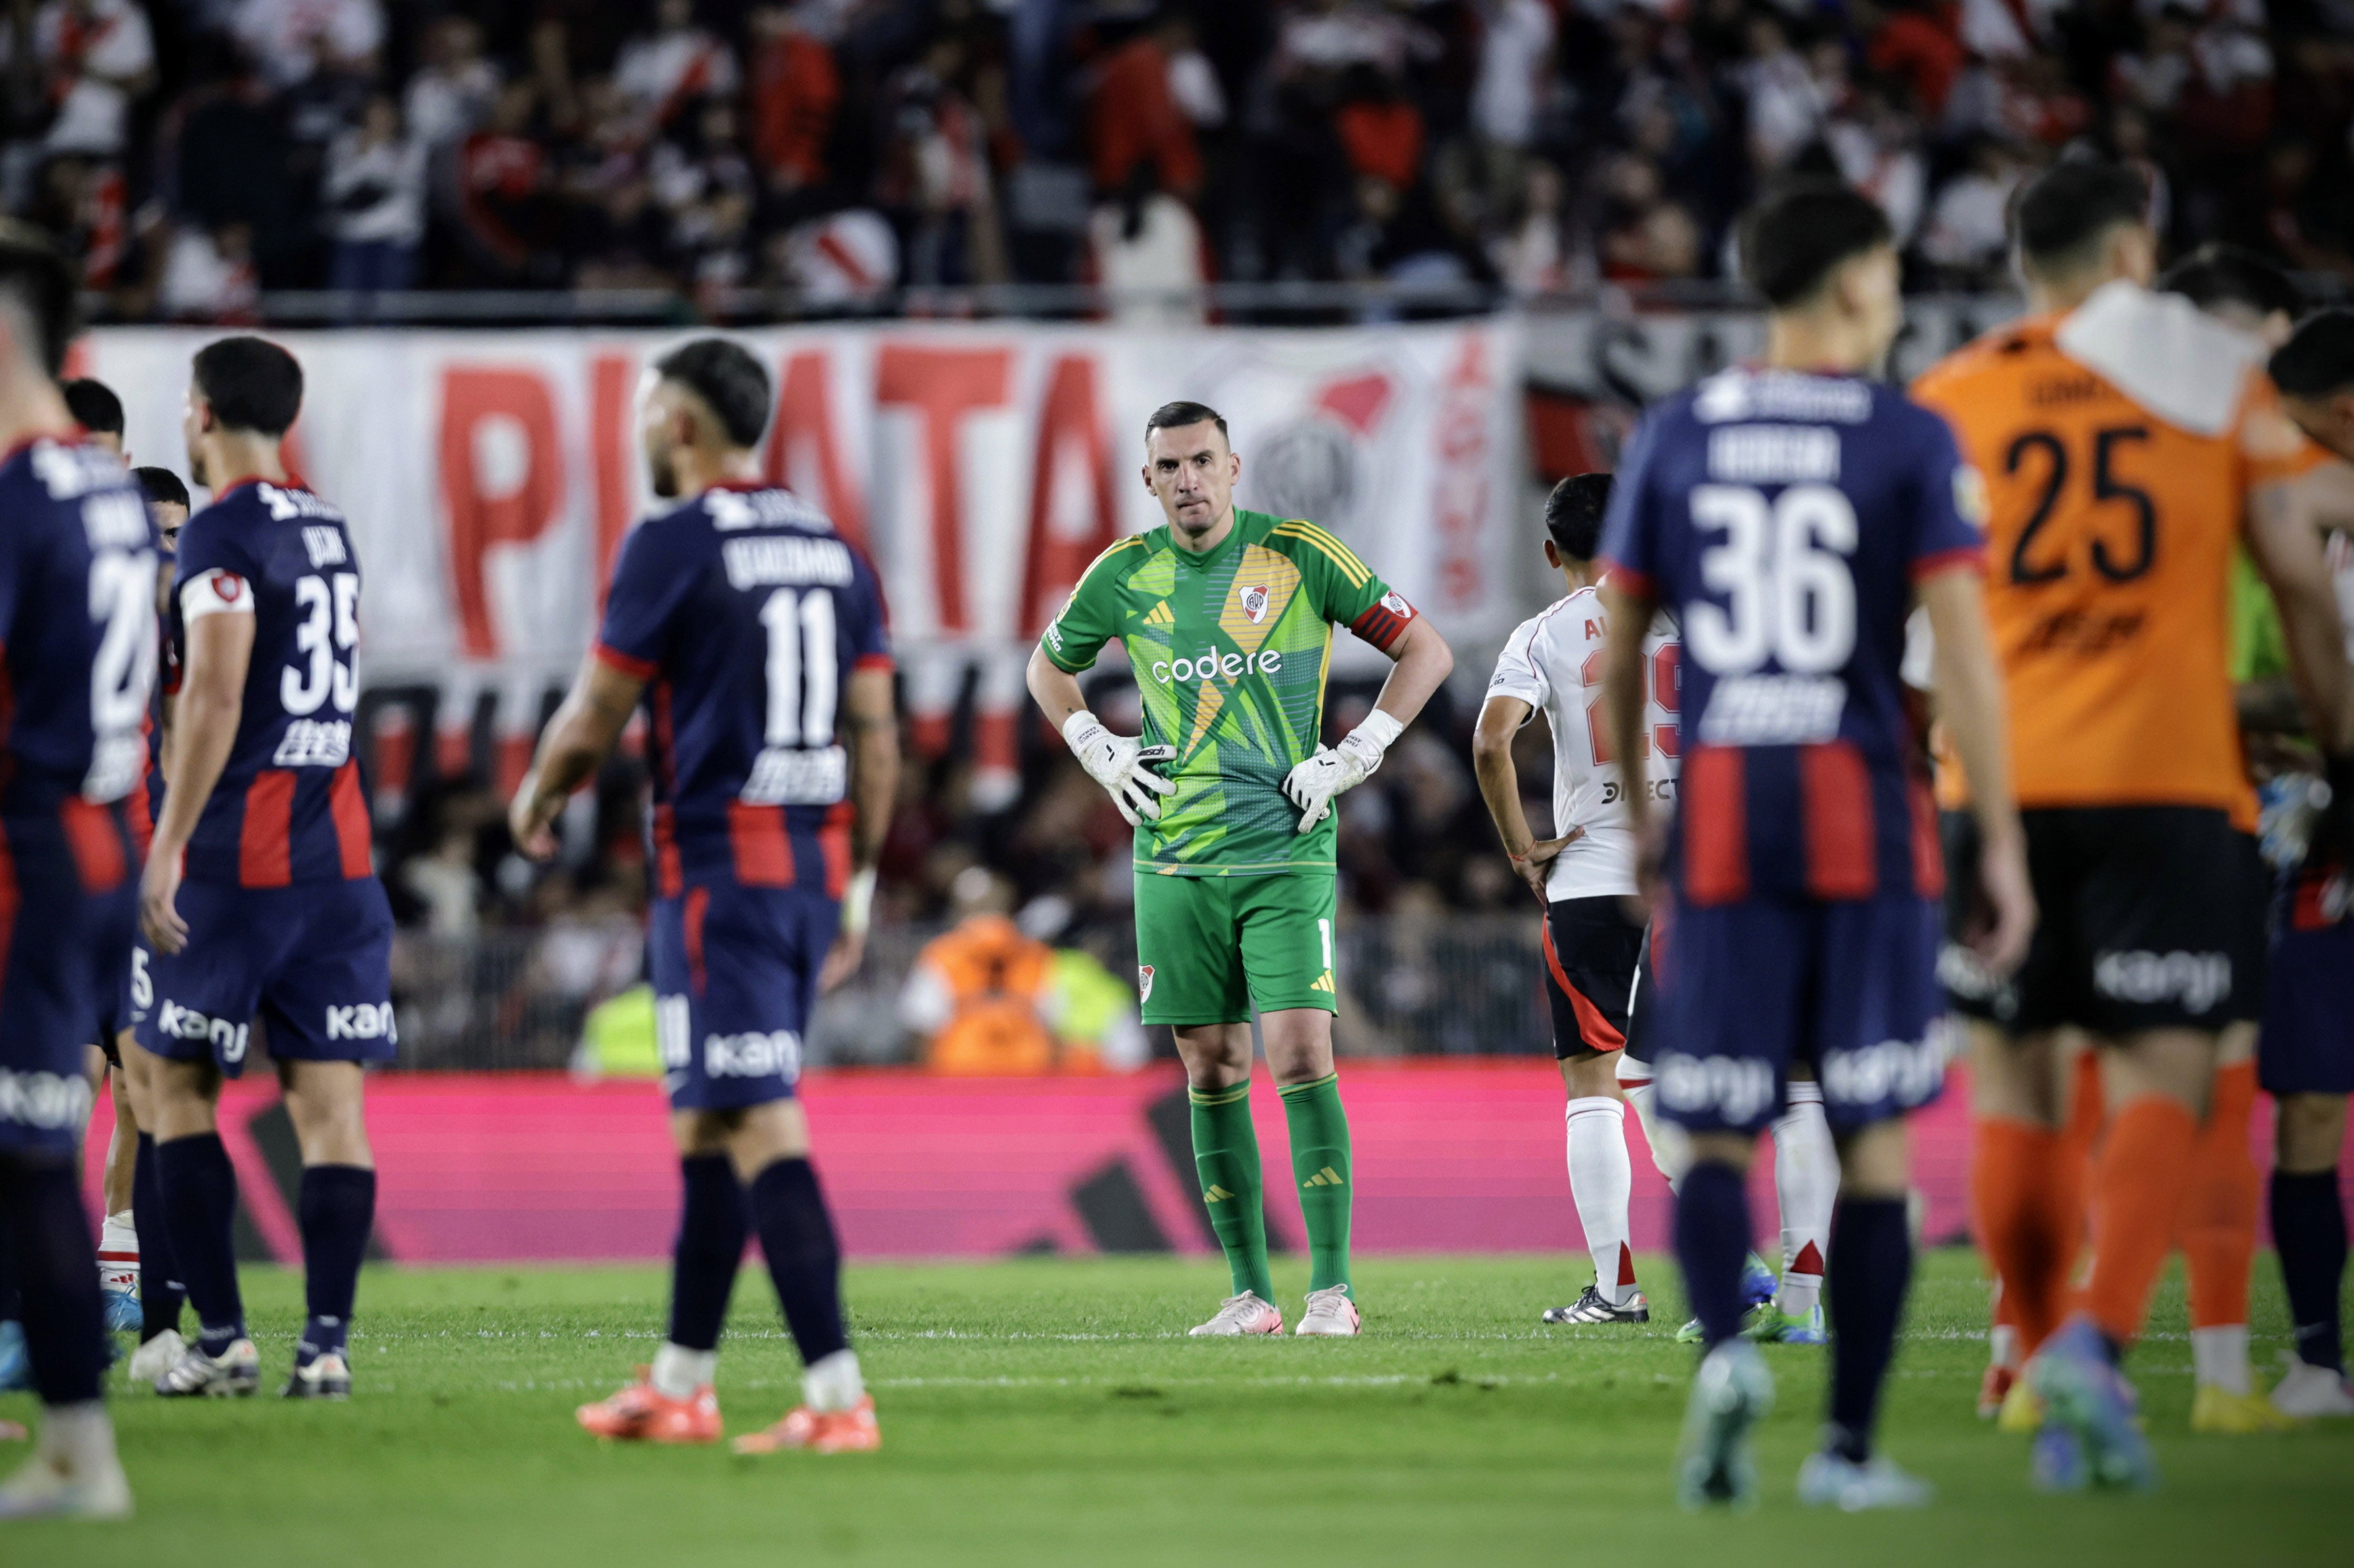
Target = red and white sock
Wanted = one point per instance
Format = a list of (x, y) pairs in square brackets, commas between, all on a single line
[(1602, 1180), (1806, 1180), (118, 1252)]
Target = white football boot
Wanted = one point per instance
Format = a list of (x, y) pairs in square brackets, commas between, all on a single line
[(1330, 1312), (2305, 1390), (1244, 1313), (237, 1370), (1826, 1480), (74, 1474), (158, 1356)]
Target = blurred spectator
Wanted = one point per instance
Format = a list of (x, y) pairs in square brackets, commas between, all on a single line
[(1146, 248), (1876, 145), (660, 72), (209, 275), (1380, 129), (1532, 256), (1966, 238), (1647, 236), (94, 57), (794, 90), (376, 203), (935, 176), (502, 180), (1134, 118), (1515, 62), (289, 39), (452, 92), (976, 995), (1786, 103)]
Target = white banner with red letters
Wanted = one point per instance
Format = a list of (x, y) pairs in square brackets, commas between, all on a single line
[(488, 476)]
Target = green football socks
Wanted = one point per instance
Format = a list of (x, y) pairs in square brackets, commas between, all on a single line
[(1226, 1153), (1320, 1165)]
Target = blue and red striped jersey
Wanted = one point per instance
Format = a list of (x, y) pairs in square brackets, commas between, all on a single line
[(290, 806), (77, 563), (1783, 518), (744, 614)]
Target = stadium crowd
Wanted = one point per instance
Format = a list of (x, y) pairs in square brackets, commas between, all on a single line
[(195, 151)]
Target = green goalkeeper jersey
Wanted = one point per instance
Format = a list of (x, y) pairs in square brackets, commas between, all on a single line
[(1229, 648)]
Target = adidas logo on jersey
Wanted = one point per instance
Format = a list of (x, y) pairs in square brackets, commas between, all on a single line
[(366, 1020), (1160, 615), (1322, 982), (752, 1055), (227, 1040)]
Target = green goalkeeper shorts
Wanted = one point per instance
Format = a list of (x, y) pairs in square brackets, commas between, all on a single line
[(1208, 947)]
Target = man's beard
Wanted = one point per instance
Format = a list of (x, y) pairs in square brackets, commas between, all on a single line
[(664, 473)]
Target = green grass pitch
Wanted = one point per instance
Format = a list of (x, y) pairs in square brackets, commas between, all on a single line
[(1052, 1411)]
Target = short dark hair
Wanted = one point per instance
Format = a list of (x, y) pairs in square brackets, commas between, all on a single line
[(2070, 205), (1573, 514), (1794, 236), (2317, 361), (729, 381), (2220, 274), (251, 383), (94, 406), (162, 485), (33, 273), (1183, 412)]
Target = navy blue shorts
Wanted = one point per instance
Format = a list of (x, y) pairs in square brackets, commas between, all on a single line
[(2307, 1044), (735, 975), (1746, 990), (133, 993), (313, 960), (68, 902)]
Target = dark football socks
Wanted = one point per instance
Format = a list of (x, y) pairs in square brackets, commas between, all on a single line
[(55, 1267), (1225, 1158), (1320, 1169), (199, 1188), (336, 1210), (2309, 1230), (1870, 1267), (161, 1294), (710, 1249), (1711, 1239), (797, 1238)]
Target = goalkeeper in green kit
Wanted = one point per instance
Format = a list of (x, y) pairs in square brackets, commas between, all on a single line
[(1227, 619)]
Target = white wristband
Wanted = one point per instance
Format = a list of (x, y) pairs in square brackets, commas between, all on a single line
[(858, 902), (1378, 730), (1077, 724)]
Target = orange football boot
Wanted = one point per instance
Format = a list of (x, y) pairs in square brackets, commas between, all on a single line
[(851, 1431), (643, 1414)]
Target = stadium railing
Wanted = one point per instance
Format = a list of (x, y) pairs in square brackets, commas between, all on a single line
[(508, 999)]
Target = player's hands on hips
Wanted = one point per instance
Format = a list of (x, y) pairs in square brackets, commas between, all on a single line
[(1333, 769), (2005, 917), (1122, 765), (159, 920), (531, 821), (1535, 868)]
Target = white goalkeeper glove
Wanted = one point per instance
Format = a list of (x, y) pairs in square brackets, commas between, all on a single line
[(1121, 765), (1333, 769)]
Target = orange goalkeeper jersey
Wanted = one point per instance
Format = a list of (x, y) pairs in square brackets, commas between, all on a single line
[(2109, 537)]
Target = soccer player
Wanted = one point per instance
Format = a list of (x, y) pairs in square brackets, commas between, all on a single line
[(76, 594), (2128, 440), (1593, 947), (754, 637), (1789, 517), (278, 910), (1226, 617), (1585, 877), (98, 412), (2307, 1055), (161, 1294)]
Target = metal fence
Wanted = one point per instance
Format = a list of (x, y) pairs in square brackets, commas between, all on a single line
[(514, 1000)]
